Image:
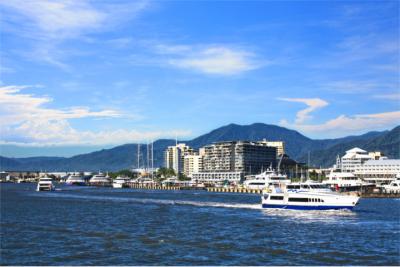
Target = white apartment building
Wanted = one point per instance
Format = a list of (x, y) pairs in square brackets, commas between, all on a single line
[(174, 157), (192, 164), (381, 171)]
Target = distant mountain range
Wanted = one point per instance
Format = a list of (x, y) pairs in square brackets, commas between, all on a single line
[(322, 152)]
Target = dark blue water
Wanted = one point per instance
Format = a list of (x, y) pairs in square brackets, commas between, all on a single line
[(104, 226)]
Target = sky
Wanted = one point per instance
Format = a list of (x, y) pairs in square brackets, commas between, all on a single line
[(104, 73)]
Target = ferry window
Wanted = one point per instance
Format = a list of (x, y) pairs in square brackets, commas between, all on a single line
[(276, 198), (298, 199), (256, 183)]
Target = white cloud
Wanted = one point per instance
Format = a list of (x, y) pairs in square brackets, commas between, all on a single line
[(210, 59), (46, 24), (394, 97), (27, 119), (58, 18), (344, 125), (355, 87), (68, 18), (341, 126), (312, 103), (17, 108)]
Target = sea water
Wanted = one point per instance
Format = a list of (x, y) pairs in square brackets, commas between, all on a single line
[(105, 226)]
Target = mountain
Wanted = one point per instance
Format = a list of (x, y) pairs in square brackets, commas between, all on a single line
[(387, 142), (322, 152), (294, 141)]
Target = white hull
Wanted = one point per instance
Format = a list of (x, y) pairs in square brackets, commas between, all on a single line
[(45, 187), (117, 185), (308, 201)]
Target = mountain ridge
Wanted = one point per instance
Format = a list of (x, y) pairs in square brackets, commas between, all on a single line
[(297, 146)]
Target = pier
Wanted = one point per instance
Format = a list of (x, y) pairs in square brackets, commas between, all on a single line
[(234, 190)]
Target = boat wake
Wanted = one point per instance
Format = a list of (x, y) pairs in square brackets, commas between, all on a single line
[(155, 201), (300, 216)]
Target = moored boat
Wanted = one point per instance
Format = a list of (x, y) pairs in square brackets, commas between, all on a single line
[(75, 179), (345, 181), (120, 182), (100, 180), (265, 179)]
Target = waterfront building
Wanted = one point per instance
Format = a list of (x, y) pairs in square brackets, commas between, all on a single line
[(376, 154), (174, 157), (380, 171), (353, 159), (279, 145), (193, 163), (238, 156)]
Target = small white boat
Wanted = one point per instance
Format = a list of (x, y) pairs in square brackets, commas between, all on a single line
[(394, 186), (306, 196), (100, 180), (75, 179), (265, 179), (45, 184), (120, 182)]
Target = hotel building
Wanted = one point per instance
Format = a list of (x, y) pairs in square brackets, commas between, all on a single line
[(174, 157), (381, 171), (232, 160)]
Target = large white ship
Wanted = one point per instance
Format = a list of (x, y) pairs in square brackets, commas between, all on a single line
[(75, 179), (100, 179), (265, 179), (306, 196), (345, 181)]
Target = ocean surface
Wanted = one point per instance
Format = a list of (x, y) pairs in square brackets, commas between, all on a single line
[(105, 226)]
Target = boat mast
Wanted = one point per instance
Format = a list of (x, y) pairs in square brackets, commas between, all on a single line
[(152, 160), (138, 156), (308, 167)]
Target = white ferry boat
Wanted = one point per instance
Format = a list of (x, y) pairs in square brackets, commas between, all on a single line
[(120, 182), (306, 196), (345, 181), (100, 180), (45, 184), (75, 179), (266, 179)]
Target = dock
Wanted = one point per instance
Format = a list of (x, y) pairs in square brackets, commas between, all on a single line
[(234, 190)]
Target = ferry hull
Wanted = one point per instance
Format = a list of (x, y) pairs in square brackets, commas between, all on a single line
[(76, 183), (299, 207)]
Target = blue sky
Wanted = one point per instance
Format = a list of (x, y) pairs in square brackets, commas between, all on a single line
[(99, 73)]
